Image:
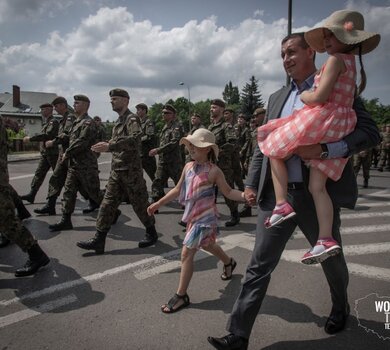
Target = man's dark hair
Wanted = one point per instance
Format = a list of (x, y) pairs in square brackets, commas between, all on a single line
[(303, 43)]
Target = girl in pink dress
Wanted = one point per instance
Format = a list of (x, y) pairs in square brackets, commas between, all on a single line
[(326, 117), (196, 191)]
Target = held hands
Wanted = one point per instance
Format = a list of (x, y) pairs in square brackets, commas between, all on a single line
[(26, 139), (250, 195), (152, 208)]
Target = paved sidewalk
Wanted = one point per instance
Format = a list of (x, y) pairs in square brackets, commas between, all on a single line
[(21, 156)]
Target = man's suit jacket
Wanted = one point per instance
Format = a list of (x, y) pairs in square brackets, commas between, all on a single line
[(344, 191)]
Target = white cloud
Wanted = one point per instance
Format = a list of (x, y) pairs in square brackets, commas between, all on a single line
[(111, 49)]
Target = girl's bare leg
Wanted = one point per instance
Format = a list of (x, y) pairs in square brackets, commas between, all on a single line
[(217, 251), (322, 201), (187, 269), (280, 179)]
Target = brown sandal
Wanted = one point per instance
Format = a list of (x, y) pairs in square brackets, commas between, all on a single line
[(225, 275)]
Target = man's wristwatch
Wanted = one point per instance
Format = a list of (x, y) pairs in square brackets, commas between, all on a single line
[(325, 153)]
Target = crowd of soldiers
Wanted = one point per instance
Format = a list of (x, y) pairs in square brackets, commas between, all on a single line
[(377, 157), (71, 146)]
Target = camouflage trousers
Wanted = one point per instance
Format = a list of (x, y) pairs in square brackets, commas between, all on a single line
[(10, 225), (80, 180), (45, 163), (131, 184), (237, 172), (227, 170), (385, 158), (149, 165), (57, 180), (163, 173), (364, 162)]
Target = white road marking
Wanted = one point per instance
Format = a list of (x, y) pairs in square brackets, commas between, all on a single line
[(365, 215), (36, 310)]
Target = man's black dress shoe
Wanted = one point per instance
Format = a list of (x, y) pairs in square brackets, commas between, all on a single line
[(336, 321), (229, 342)]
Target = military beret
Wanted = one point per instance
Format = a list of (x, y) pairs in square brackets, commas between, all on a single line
[(45, 105), (119, 93), (81, 98), (58, 100), (242, 115), (218, 102), (142, 106), (197, 115), (169, 108), (229, 110), (258, 111), (97, 118)]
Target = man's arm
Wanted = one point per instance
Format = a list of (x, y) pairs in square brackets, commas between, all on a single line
[(365, 135)]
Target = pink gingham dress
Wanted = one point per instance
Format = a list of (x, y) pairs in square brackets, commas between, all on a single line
[(310, 125)]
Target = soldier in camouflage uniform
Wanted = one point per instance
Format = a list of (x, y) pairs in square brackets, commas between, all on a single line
[(57, 179), (244, 140), (11, 226), (226, 140), (169, 161), (384, 162), (82, 164), (229, 117), (196, 123), (363, 159), (126, 176), (256, 121), (48, 155), (148, 140)]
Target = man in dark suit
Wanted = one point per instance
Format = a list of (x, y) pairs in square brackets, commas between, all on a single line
[(298, 61)]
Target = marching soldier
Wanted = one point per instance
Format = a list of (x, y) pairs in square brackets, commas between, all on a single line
[(11, 226), (226, 139), (57, 179), (169, 161), (126, 176), (48, 155), (82, 163), (196, 123), (244, 140), (363, 159), (148, 140), (384, 162)]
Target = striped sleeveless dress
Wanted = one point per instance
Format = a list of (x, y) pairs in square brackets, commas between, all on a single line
[(200, 214)]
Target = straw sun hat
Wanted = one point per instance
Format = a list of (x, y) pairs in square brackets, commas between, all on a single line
[(348, 27), (201, 138)]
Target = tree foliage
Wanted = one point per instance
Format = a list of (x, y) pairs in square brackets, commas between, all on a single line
[(231, 94), (251, 97), (379, 112)]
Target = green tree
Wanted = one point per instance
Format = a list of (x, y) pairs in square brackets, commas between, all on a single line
[(231, 94), (203, 109), (251, 97), (379, 112)]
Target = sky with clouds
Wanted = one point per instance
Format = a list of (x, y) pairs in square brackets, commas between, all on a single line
[(149, 46)]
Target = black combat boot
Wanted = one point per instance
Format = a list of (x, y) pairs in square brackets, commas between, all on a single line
[(49, 208), (36, 259), (234, 219), (246, 212), (150, 237), (64, 224), (96, 243), (23, 213), (92, 206), (365, 183), (4, 241), (30, 197)]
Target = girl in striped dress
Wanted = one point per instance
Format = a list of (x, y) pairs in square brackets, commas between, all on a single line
[(195, 190), (327, 117)]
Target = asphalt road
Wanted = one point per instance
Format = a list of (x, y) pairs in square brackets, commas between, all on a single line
[(84, 301)]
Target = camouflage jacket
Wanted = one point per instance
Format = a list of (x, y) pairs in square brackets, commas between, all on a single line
[(125, 143), (225, 138), (251, 146), (244, 139), (81, 137), (63, 133), (4, 178), (149, 137), (49, 132), (169, 149)]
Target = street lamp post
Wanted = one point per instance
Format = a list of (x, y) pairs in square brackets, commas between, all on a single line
[(189, 103)]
